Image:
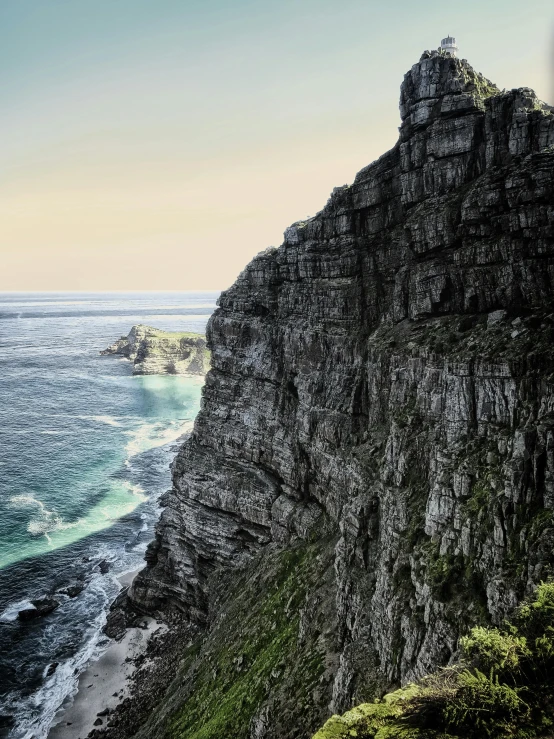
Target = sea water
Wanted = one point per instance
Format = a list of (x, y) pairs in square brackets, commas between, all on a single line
[(85, 449)]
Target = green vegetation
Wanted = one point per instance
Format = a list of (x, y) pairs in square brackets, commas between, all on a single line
[(503, 687), (157, 333), (443, 572), (258, 650)]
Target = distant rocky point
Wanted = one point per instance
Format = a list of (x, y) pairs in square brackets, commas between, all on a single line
[(156, 352)]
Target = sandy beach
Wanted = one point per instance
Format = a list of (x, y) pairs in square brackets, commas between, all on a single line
[(104, 683)]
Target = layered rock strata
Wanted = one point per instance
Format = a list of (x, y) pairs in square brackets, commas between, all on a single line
[(156, 352), (386, 377)]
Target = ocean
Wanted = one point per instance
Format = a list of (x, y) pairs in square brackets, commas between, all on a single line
[(85, 450)]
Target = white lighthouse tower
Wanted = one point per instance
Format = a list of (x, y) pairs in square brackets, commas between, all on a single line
[(449, 44)]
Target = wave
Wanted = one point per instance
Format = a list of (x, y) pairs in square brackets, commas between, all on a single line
[(48, 530), (25, 500), (45, 522), (11, 612), (151, 435), (37, 713), (120, 499)]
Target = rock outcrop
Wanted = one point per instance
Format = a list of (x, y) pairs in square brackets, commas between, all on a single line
[(41, 607), (156, 352), (384, 381)]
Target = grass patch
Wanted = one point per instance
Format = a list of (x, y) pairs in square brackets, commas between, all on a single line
[(257, 653)]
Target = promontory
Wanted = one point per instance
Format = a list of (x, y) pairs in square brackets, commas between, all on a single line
[(155, 352), (368, 492)]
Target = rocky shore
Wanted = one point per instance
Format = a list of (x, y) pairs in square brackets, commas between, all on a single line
[(372, 470), (106, 683), (156, 352)]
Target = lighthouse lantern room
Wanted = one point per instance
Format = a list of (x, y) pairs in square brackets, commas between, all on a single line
[(449, 44)]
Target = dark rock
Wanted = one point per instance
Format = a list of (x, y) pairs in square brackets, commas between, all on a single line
[(52, 668), (122, 616), (26, 614), (42, 607), (351, 396), (72, 590), (98, 722), (104, 566)]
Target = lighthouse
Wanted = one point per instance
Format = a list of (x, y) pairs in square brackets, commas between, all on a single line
[(449, 44)]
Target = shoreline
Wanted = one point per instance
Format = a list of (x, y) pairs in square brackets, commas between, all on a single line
[(105, 682)]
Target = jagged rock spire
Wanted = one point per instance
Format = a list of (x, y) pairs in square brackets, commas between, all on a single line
[(439, 85)]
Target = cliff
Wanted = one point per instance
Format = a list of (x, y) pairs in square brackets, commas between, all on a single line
[(380, 409), (501, 687), (156, 352)]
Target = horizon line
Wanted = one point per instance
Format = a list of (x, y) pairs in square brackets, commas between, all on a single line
[(89, 292)]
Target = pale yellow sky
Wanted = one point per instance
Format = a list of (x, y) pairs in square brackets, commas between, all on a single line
[(163, 148)]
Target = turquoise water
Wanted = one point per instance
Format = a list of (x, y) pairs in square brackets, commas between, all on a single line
[(85, 449), (66, 481)]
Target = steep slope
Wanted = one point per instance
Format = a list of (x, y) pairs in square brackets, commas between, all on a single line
[(501, 688), (385, 378), (156, 352)]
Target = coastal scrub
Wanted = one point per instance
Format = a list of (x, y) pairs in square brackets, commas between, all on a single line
[(502, 687)]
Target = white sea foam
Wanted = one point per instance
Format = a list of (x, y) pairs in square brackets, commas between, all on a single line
[(134, 489), (63, 683), (49, 524), (10, 613), (26, 500), (44, 522), (152, 435)]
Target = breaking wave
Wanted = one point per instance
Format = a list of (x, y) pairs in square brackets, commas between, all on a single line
[(44, 522)]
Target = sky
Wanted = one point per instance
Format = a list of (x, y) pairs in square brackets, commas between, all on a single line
[(161, 144)]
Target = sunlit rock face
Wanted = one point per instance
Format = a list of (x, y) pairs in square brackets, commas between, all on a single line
[(156, 352), (386, 376)]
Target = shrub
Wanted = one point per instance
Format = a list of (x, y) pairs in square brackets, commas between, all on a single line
[(491, 649), (483, 707), (536, 618), (503, 688)]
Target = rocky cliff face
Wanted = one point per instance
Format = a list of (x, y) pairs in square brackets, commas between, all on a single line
[(384, 379), (156, 352)]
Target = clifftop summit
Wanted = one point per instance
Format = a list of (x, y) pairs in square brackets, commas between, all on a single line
[(379, 419)]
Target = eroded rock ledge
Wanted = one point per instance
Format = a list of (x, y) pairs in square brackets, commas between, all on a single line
[(156, 352), (385, 377)]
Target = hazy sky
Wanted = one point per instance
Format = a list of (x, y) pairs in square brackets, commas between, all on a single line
[(160, 144)]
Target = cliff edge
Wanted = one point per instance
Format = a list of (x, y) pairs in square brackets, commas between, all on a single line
[(381, 405), (156, 352)]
